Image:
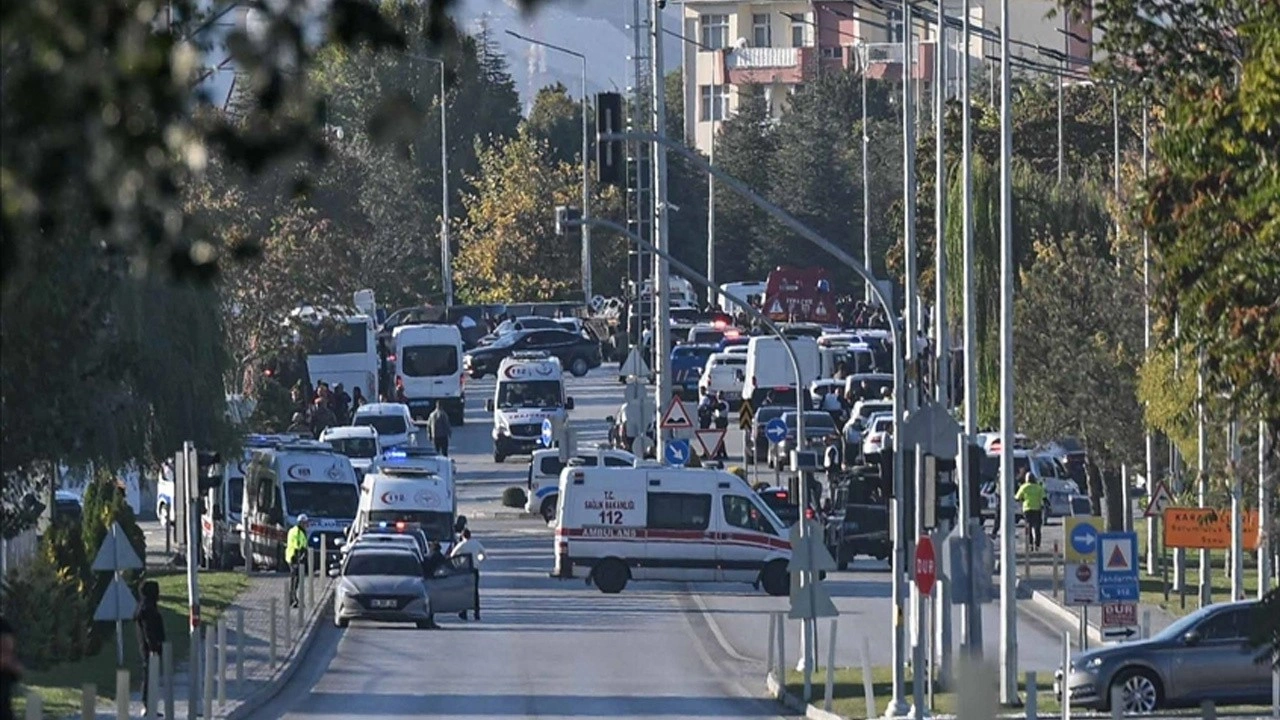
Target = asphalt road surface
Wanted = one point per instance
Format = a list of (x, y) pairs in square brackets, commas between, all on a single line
[(552, 648)]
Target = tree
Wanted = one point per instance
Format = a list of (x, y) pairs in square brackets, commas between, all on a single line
[(557, 120), (745, 148)]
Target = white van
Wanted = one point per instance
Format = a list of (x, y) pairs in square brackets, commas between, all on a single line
[(428, 360), (358, 442), (769, 366), (413, 495), (742, 291), (530, 389), (291, 479), (659, 523), (544, 475), (724, 373), (393, 422)]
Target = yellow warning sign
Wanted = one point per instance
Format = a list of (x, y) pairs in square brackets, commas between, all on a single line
[(1207, 529)]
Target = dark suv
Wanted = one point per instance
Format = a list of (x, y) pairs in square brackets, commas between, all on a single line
[(577, 354)]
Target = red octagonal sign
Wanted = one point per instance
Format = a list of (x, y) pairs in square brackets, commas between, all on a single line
[(926, 566)]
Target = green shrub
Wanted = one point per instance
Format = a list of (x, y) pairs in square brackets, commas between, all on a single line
[(104, 503), (48, 609), (513, 497)]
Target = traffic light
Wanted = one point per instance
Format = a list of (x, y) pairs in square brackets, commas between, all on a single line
[(209, 473), (611, 156)]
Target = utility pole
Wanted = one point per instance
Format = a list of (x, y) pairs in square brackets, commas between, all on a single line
[(911, 304), (866, 190), (1147, 440), (661, 285), (1237, 507), (1264, 513), (713, 293), (1008, 559), (1202, 471), (942, 345), (1066, 51)]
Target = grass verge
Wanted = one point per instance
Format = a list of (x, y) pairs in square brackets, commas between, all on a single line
[(849, 699), (60, 686), (1152, 586)]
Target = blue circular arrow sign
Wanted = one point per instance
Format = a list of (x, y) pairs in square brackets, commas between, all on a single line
[(775, 430), (1084, 538), (677, 452)]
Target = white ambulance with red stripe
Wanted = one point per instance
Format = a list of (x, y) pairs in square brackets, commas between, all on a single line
[(653, 522)]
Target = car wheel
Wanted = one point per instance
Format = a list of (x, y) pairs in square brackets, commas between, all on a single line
[(579, 366), (775, 579), (548, 509), (423, 625), (1139, 691), (341, 622), (610, 576)]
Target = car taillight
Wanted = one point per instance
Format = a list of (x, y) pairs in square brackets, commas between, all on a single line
[(391, 358)]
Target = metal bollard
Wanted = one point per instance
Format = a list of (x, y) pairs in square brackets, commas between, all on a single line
[(311, 585), (288, 628), (782, 650), (152, 702), (239, 649), (1146, 624), (122, 694), (1026, 562), (272, 630), (222, 662), (209, 639), (868, 684), (1208, 710), (1066, 675), (1055, 569), (166, 670), (1117, 702), (324, 561), (35, 706), (831, 668), (88, 701), (773, 619), (1032, 691)]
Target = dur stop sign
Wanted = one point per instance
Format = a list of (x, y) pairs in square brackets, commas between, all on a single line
[(926, 566)]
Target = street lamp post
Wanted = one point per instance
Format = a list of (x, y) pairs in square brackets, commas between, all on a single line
[(586, 177), (446, 251)]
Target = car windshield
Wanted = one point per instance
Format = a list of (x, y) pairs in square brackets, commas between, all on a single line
[(437, 525), (235, 494), (530, 394), (866, 410), (691, 354), (707, 336), (369, 563), (384, 424), (429, 360), (355, 447), (813, 422), (330, 500)]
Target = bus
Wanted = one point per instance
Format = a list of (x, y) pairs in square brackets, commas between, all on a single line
[(343, 350)]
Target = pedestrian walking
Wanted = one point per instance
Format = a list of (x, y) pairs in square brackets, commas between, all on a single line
[(1032, 495), (295, 553), (10, 669), (471, 546), (439, 427), (150, 627)]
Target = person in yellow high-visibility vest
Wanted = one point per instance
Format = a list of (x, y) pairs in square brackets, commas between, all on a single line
[(295, 553), (1032, 495)]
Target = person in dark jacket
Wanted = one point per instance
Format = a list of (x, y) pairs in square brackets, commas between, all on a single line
[(150, 631), (10, 668), (435, 561), (440, 429)]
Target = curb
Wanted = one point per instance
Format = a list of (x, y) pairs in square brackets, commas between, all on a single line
[(795, 704), (282, 674), (503, 515), (1068, 620)]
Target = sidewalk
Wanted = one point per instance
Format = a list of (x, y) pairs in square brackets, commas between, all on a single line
[(261, 677)]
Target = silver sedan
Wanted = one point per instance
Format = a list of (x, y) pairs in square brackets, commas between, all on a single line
[(383, 583), (1203, 656)]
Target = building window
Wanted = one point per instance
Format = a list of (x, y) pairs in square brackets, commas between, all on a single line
[(761, 30), (831, 52), (894, 21), (802, 31), (714, 106), (714, 30)]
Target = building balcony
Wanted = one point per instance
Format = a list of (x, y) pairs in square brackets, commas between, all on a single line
[(766, 66), (884, 61)]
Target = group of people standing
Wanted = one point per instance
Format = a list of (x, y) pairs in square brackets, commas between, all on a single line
[(322, 407)]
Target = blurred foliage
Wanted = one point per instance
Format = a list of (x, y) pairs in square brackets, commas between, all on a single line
[(44, 603)]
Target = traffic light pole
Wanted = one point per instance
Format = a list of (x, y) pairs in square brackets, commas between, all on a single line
[(190, 478)]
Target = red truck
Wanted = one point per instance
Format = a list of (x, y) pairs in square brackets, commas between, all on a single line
[(799, 295)]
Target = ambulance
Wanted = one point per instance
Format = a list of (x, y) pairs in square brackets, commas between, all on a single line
[(544, 474), (294, 478), (652, 522), (530, 389), (408, 494), (221, 518)]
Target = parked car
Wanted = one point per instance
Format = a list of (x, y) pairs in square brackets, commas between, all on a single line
[(757, 443), (1203, 656), (577, 354), (818, 428)]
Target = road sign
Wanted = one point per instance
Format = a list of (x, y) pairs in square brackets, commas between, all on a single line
[(115, 553), (1207, 529), (1118, 567), (1080, 586), (1161, 498), (1082, 538), (1119, 621), (809, 553), (926, 565), (634, 365), (775, 430), (548, 432), (117, 603), (677, 452), (745, 414), (676, 417), (711, 440)]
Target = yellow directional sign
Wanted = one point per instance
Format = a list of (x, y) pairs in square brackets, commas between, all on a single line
[(745, 415), (1081, 536)]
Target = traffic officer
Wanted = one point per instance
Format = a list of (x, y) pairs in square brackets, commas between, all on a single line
[(1032, 494), (295, 553)]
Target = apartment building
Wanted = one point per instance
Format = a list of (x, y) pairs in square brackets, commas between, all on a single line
[(781, 44)]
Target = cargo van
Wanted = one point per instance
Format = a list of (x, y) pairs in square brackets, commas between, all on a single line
[(530, 389), (769, 367), (544, 475), (657, 523), (428, 360), (413, 495), (294, 478), (358, 442)]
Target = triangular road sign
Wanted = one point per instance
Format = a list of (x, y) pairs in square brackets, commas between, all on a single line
[(676, 416), (711, 441), (118, 603), (1161, 498), (1118, 560), (116, 553), (820, 310), (776, 307), (634, 365)]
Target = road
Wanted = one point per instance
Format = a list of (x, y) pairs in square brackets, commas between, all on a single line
[(560, 648)]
